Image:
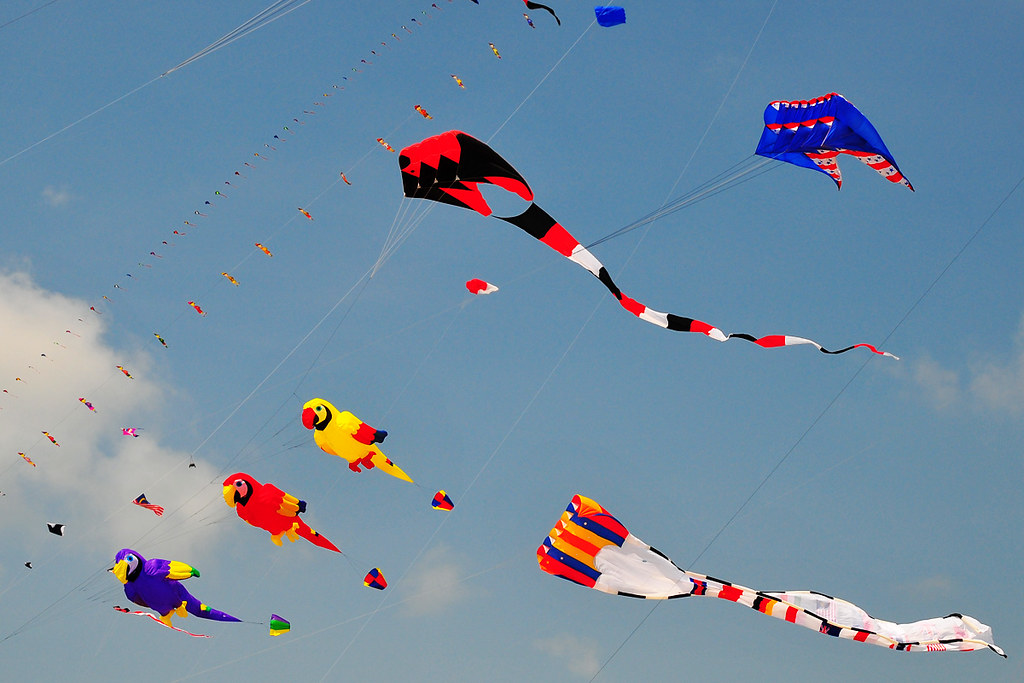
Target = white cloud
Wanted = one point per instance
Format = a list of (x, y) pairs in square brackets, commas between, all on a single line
[(998, 384), (941, 386), (55, 196), (439, 584), (56, 345), (992, 382), (579, 655)]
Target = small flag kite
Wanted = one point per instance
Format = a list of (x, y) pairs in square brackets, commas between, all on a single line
[(55, 528), (125, 372), (230, 279), (478, 286), (26, 459), (87, 404), (495, 50), (306, 213), (130, 431), (345, 179), (459, 81), (160, 339), (279, 625), (263, 249), (142, 502), (199, 310), (442, 501), (385, 145), (422, 111), (52, 440), (374, 579)]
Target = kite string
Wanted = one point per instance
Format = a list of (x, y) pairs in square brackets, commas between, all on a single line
[(541, 82), (671, 190)]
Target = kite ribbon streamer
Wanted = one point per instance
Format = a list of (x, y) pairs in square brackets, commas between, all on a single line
[(448, 167)]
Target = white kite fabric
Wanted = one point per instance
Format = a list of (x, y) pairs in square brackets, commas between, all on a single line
[(590, 547)]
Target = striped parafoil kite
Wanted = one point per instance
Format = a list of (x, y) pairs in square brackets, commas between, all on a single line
[(590, 547), (813, 133), (449, 167)]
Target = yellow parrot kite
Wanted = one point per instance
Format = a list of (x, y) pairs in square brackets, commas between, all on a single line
[(341, 433)]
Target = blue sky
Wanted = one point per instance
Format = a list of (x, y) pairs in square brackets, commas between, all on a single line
[(895, 485)]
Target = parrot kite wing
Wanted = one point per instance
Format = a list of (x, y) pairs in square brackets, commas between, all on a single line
[(449, 167), (813, 133), (339, 432), (590, 547)]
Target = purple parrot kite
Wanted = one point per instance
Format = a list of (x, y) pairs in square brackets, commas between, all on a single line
[(156, 584)]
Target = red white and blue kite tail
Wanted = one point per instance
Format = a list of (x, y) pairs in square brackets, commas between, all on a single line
[(539, 224)]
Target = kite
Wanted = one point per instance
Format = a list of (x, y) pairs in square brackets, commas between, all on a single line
[(478, 286), (263, 249), (196, 306), (341, 433), (528, 20), (140, 613), (448, 168), (50, 437), (537, 5), (28, 565), (230, 279), (813, 133), (459, 81), (385, 145), (160, 339), (156, 584), (26, 459), (590, 547), (130, 431), (610, 15), (143, 503), (442, 501), (55, 528), (87, 404), (269, 508), (279, 625), (495, 50), (124, 372), (306, 213), (345, 179), (374, 579), (422, 111)]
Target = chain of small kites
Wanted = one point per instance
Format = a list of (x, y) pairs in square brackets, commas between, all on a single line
[(194, 223)]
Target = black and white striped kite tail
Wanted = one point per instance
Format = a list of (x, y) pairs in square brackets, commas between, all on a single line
[(538, 223)]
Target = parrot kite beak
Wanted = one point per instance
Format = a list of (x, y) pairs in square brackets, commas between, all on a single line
[(308, 418), (229, 496), (121, 571)]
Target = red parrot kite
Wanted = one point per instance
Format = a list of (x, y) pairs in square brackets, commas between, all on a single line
[(268, 507)]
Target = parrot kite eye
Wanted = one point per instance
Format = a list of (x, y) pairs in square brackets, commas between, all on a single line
[(238, 483)]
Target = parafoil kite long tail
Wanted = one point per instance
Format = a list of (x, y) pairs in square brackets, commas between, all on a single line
[(448, 167), (590, 547)]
